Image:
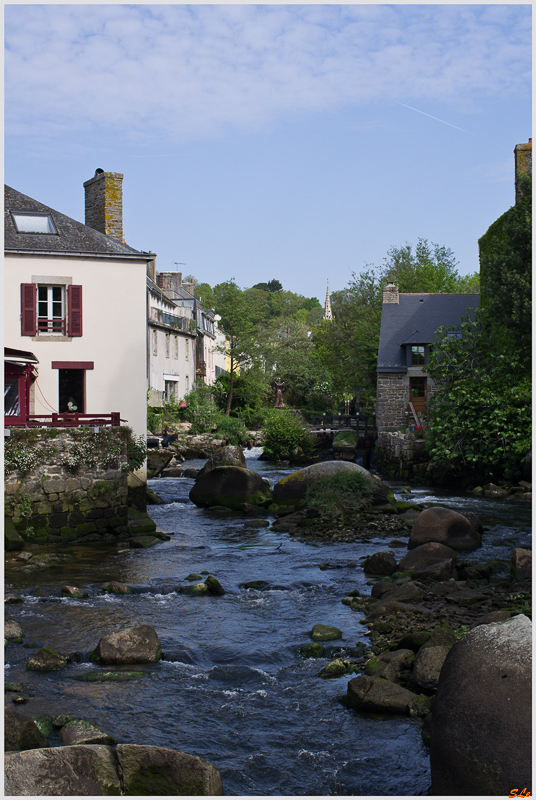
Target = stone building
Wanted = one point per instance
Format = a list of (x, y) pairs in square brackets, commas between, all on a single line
[(408, 326)]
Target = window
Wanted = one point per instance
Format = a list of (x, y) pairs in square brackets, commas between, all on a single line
[(51, 309), (167, 344), (175, 347), (71, 390), (171, 391), (187, 351), (155, 343), (30, 222), (187, 383), (417, 355), (417, 388)]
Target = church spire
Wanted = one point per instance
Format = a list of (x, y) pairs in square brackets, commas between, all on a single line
[(327, 307)]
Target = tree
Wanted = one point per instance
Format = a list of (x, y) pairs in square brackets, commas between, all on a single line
[(479, 415), (237, 324), (506, 266)]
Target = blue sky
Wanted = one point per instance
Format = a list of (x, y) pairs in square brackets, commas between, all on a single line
[(297, 142)]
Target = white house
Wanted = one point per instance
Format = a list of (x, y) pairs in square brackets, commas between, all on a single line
[(171, 347), (75, 300)]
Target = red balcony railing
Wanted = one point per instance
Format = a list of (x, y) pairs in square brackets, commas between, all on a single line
[(65, 420)]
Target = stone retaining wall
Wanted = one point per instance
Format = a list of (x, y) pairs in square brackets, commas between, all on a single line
[(71, 484), (401, 455)]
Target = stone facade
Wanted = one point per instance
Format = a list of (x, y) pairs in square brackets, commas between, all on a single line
[(401, 455), (104, 203), (57, 498), (392, 398)]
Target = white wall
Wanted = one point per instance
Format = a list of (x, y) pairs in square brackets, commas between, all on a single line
[(114, 332)]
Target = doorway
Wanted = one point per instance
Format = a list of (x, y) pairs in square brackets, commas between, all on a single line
[(417, 393), (72, 391)]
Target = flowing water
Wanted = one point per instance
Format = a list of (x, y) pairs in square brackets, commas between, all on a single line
[(232, 686)]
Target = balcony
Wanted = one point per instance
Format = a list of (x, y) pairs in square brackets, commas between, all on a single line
[(65, 420), (201, 369)]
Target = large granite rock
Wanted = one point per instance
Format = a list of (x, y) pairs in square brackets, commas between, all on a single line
[(447, 527), (21, 732), (522, 564), (149, 770), (294, 486), (229, 456), (230, 487), (427, 667), (137, 645), (426, 554), (79, 731), (481, 724), (46, 660), (367, 693), (81, 770), (379, 564)]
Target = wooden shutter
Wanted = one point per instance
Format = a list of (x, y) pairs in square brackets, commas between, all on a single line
[(75, 310), (28, 305)]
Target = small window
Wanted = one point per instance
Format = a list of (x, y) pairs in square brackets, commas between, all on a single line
[(417, 355), (175, 347), (34, 223), (155, 343), (187, 351), (51, 309), (418, 387), (167, 344)]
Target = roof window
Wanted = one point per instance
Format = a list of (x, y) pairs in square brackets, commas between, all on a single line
[(31, 222)]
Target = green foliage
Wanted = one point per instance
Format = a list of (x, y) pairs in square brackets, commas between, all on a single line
[(136, 450), (155, 418), (22, 456), (342, 494), (232, 429), (506, 266), (480, 414), (201, 410), (283, 434)]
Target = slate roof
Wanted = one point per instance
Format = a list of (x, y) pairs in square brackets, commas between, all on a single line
[(72, 237), (414, 320)]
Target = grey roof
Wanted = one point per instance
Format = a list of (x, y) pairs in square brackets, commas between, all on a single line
[(73, 237), (415, 320)]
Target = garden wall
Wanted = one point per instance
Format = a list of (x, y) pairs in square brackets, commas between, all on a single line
[(68, 484)]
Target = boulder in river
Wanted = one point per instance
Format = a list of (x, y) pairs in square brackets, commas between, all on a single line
[(426, 554), (438, 524), (380, 564), (521, 564), (21, 733), (12, 630), (46, 660), (325, 633), (294, 486), (79, 731), (137, 645), (427, 667), (149, 770), (366, 693), (230, 487), (481, 723), (228, 456), (80, 770)]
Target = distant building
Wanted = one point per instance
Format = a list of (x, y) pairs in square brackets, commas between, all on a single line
[(408, 326)]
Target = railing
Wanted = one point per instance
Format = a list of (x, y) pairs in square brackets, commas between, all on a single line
[(366, 422), (56, 325), (66, 420)]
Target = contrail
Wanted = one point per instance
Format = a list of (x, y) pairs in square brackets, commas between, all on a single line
[(436, 118)]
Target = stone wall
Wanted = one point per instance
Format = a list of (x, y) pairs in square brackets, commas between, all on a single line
[(68, 484), (392, 397), (401, 455)]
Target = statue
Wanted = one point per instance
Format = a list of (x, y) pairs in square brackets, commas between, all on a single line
[(278, 394)]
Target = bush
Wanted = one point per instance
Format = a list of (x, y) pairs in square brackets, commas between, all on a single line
[(232, 429), (340, 495), (283, 434), (201, 410)]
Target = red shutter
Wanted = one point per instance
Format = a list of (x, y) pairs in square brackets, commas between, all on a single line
[(75, 310), (28, 302)]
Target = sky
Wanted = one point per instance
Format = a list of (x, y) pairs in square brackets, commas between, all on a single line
[(295, 142)]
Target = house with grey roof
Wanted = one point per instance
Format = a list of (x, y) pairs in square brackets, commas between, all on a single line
[(75, 301), (408, 328)]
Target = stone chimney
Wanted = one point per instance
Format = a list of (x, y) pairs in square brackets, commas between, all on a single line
[(390, 293), (104, 203), (523, 164), (170, 283)]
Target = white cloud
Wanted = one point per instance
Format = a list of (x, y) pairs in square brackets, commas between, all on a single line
[(172, 73)]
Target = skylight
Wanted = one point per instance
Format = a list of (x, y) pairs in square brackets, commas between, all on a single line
[(33, 223)]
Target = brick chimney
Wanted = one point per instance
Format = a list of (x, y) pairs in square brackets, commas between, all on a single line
[(390, 293), (523, 165), (104, 203)]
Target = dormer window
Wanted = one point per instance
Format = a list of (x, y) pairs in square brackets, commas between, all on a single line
[(32, 222), (417, 355)]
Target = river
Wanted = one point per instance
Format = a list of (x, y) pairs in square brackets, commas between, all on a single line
[(232, 686)]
